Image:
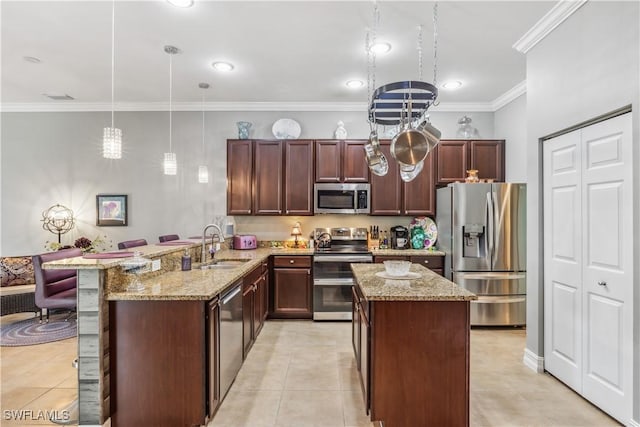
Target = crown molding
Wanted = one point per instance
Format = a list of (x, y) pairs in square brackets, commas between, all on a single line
[(510, 95), (556, 16), (72, 106)]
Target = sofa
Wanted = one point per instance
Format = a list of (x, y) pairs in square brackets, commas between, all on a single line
[(17, 285)]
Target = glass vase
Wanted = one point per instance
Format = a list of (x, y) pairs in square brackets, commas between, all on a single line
[(243, 129)]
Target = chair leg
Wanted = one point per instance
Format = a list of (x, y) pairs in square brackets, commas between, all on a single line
[(48, 311), (40, 315)]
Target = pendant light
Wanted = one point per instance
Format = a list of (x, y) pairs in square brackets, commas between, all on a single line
[(203, 171), (112, 136), (170, 161)]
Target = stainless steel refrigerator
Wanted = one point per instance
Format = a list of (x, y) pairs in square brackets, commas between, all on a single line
[(482, 230)]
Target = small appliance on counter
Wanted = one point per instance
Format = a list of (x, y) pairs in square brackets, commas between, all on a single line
[(245, 241), (399, 237)]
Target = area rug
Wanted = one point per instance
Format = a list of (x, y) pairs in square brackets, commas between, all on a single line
[(31, 332)]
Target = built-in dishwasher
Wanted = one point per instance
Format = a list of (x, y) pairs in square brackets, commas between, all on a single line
[(231, 346)]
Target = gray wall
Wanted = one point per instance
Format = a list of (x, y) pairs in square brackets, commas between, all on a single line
[(587, 66), (511, 125), (50, 158)]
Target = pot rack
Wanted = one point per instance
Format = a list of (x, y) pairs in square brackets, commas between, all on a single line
[(389, 103)]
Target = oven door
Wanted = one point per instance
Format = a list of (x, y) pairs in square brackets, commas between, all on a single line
[(332, 299), (332, 282)]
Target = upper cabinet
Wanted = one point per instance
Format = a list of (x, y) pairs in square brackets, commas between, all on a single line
[(391, 196), (239, 177), (298, 177), (341, 161), (455, 157), (269, 177)]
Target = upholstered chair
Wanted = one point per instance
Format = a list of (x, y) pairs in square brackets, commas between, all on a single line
[(131, 243), (55, 289), (168, 237)]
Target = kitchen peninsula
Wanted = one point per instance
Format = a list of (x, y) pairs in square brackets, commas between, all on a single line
[(166, 337), (411, 341)]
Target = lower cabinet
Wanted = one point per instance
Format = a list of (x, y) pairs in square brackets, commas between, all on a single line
[(426, 382), (254, 309), (434, 263), (360, 339), (292, 296), (147, 343)]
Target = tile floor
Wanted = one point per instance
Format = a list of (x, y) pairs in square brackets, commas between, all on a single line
[(303, 374)]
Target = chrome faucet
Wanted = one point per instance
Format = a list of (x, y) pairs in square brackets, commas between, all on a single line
[(204, 237)]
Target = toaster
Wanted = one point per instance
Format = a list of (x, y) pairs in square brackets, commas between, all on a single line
[(246, 241)]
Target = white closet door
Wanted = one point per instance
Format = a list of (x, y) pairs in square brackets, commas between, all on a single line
[(563, 259), (588, 263), (608, 265)]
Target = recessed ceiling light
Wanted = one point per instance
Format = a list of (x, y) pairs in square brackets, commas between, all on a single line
[(452, 85), (181, 3), (31, 59), (222, 66), (380, 48), (355, 84)]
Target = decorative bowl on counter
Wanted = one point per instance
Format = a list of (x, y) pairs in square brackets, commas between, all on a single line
[(397, 268)]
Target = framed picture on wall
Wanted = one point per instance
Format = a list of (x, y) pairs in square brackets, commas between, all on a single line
[(111, 210)]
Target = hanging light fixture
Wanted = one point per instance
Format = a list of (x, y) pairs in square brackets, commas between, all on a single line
[(203, 171), (112, 136), (170, 161)]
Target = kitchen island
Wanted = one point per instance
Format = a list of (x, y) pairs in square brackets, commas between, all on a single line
[(411, 342)]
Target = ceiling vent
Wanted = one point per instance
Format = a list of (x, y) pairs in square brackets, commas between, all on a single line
[(64, 97)]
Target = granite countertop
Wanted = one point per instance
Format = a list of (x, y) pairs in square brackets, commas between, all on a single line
[(408, 252), (197, 284), (148, 251), (428, 287)]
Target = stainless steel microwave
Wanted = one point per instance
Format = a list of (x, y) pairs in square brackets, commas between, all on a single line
[(342, 198)]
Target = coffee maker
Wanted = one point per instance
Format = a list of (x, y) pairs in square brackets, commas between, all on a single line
[(399, 237)]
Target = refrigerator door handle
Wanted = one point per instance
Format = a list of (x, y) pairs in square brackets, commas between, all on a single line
[(496, 223), (490, 225)]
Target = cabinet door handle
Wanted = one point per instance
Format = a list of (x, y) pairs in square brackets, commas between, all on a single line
[(291, 261), (248, 210), (308, 272), (287, 211), (279, 211), (426, 261), (603, 283)]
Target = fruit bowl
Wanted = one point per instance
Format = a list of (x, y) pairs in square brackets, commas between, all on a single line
[(397, 268)]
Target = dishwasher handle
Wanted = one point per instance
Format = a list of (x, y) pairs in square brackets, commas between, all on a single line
[(228, 297)]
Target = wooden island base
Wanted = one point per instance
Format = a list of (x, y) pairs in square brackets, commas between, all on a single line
[(420, 363), (411, 343)]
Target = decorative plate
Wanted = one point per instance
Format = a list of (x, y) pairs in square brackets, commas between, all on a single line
[(286, 129), (429, 227), (410, 275)]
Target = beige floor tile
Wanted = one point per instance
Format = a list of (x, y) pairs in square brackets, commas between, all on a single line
[(53, 401), (245, 408), (319, 375), (14, 398), (310, 408), (255, 375), (353, 407)]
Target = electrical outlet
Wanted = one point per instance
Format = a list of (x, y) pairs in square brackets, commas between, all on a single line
[(155, 265)]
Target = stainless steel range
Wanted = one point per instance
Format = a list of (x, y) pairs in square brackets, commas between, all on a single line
[(336, 248)]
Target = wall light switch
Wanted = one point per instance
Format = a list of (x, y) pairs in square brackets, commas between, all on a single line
[(155, 265)]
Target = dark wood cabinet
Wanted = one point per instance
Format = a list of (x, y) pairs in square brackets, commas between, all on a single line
[(418, 196), (391, 196), (248, 302), (487, 157), (254, 295), (267, 178), (341, 161), (298, 177), (360, 338), (434, 263), (212, 356), (239, 177), (455, 157), (144, 338), (270, 177), (386, 191), (292, 287)]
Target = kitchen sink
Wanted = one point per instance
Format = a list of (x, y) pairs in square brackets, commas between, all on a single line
[(225, 264)]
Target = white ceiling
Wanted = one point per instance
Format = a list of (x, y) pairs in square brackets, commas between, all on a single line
[(283, 51)]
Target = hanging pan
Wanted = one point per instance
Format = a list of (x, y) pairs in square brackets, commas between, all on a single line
[(410, 146)]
